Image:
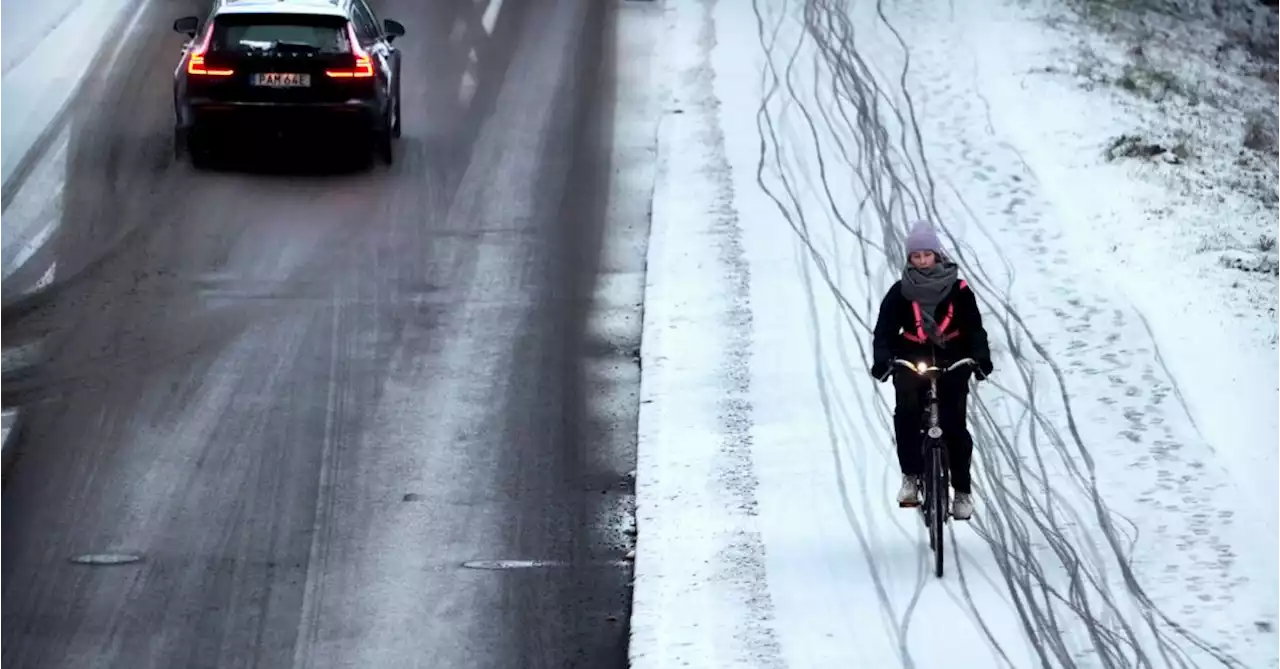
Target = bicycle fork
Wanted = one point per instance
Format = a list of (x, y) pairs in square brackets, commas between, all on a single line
[(934, 482), (933, 431)]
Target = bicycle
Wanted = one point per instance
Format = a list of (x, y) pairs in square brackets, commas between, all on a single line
[(934, 483)]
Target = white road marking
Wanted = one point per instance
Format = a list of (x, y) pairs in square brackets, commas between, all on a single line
[(48, 276), (467, 89), (29, 249), (490, 17)]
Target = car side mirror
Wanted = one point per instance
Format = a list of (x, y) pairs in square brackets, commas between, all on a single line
[(392, 29), (187, 25)]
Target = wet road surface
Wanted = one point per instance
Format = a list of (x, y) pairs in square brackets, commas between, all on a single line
[(304, 400)]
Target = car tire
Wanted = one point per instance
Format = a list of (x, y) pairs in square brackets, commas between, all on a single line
[(395, 122), (382, 140), (199, 150)]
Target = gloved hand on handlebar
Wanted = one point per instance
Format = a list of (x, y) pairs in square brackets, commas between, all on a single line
[(984, 369), (880, 370)]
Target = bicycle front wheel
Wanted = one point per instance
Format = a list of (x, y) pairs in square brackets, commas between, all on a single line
[(938, 508)]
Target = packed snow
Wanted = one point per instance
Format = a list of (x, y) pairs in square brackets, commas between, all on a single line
[(48, 48), (1133, 406)]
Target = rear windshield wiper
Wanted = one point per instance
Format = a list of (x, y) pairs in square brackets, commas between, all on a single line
[(296, 46)]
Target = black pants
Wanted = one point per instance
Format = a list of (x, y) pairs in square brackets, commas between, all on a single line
[(909, 423)]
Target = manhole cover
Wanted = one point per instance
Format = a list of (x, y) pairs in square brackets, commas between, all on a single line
[(509, 564), (533, 564), (106, 558)]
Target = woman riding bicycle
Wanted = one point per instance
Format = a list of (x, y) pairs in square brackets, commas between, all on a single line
[(931, 315)]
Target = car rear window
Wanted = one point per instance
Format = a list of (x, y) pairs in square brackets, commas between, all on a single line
[(247, 33)]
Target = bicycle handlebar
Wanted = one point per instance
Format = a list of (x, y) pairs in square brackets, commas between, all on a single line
[(922, 368)]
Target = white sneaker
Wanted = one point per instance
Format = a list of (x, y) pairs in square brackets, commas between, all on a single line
[(962, 506), (909, 494)]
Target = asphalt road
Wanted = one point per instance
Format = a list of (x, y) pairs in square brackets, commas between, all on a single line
[(303, 400)]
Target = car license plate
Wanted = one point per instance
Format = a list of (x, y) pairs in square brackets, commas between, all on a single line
[(282, 80)]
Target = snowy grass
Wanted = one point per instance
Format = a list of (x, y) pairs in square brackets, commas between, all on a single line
[(1206, 72), (1192, 90)]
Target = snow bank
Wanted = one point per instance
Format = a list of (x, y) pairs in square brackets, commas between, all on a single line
[(790, 160), (47, 49), (699, 597)]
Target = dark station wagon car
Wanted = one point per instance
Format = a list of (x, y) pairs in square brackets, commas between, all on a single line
[(284, 66)]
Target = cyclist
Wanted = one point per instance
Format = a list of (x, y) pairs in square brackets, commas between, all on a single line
[(931, 314)]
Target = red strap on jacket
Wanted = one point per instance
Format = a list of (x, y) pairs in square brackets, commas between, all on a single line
[(919, 337)]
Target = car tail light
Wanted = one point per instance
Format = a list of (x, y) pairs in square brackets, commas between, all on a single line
[(195, 63), (364, 64)]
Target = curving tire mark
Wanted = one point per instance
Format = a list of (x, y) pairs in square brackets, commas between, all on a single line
[(1034, 533)]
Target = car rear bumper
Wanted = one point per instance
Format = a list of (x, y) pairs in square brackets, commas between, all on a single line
[(276, 116)]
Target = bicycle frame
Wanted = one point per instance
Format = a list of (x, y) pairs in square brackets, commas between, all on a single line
[(933, 507)]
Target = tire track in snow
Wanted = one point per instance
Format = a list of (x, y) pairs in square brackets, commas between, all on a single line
[(1161, 626), (896, 183), (770, 84)]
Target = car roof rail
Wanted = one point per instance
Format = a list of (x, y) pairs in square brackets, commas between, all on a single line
[(224, 3)]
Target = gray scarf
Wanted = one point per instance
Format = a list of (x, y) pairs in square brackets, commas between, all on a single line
[(929, 287)]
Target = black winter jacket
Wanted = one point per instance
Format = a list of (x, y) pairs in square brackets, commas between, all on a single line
[(897, 317)]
